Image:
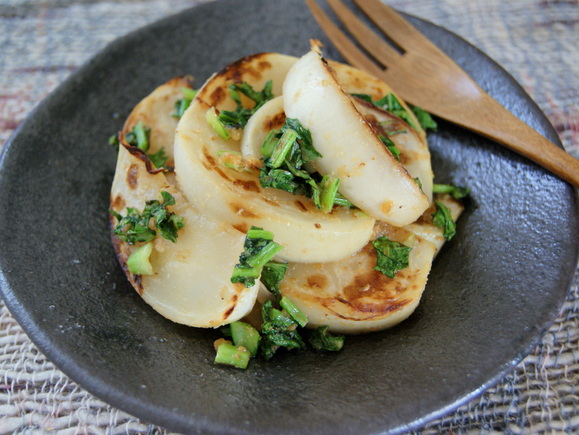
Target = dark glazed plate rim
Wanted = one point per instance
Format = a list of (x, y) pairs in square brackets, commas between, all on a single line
[(493, 292)]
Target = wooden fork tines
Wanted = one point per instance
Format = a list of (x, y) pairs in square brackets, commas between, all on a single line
[(425, 76)]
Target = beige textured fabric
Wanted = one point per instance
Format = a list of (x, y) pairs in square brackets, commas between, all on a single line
[(534, 40)]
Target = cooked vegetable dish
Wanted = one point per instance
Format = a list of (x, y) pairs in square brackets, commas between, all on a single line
[(288, 201)]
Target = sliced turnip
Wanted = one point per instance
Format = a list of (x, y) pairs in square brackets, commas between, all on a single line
[(270, 116), (190, 283), (156, 112), (414, 153), (234, 195), (370, 176), (351, 297), (191, 279)]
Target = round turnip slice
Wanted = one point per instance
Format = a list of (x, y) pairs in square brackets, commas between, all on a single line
[(235, 195)]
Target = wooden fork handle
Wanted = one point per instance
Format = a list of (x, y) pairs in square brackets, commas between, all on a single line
[(492, 120)]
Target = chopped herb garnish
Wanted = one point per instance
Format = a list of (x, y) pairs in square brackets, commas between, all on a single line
[(456, 192), (391, 146), (424, 118), (282, 148), (442, 218), (243, 334), (278, 179), (271, 276), (321, 339), (307, 151), (391, 104), (294, 311), (238, 118), (139, 136), (138, 262), (342, 201), (328, 192), (279, 329), (259, 249), (168, 223), (183, 104), (135, 226), (232, 355), (159, 158), (364, 97), (417, 181), (391, 256), (114, 141), (216, 124), (285, 153)]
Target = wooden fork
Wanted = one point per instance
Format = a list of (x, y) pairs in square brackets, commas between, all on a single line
[(424, 76)]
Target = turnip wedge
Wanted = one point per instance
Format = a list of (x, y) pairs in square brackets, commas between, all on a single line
[(224, 186), (370, 175), (187, 280), (403, 141), (269, 117), (351, 296)]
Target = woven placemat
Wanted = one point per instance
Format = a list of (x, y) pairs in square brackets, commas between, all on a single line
[(534, 40)]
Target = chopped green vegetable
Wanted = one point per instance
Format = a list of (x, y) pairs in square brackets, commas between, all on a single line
[(216, 124), (271, 276), (321, 339), (243, 334), (391, 104), (279, 329), (183, 104), (417, 181), (114, 141), (364, 97), (307, 151), (259, 249), (138, 262), (139, 136), (231, 355), (391, 256), (294, 311), (159, 158), (134, 227), (456, 192), (328, 192), (424, 118), (285, 153), (168, 223), (238, 118), (278, 179), (442, 218), (391, 146), (342, 201), (269, 144), (282, 148), (189, 93)]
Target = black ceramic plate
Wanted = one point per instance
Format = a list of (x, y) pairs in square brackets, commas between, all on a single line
[(492, 293)]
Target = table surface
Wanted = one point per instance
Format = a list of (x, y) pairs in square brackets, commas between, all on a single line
[(42, 43)]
